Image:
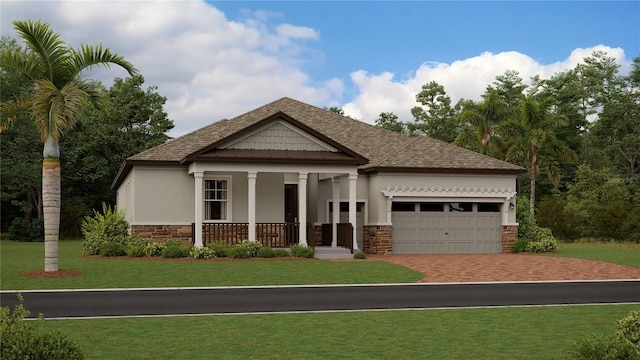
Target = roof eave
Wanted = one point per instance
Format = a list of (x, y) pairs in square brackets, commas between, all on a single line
[(479, 171)]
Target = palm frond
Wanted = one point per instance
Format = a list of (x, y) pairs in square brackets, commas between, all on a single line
[(56, 110), (10, 110), (88, 56), (50, 50), (21, 62)]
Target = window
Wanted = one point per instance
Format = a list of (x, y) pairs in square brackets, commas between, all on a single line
[(460, 207), (403, 206), (489, 207), (344, 206), (216, 199), (431, 207)]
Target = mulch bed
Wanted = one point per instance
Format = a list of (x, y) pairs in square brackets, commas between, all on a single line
[(61, 273), (189, 259)]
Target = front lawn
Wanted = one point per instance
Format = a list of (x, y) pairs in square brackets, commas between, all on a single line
[(623, 254), (498, 333), (16, 257)]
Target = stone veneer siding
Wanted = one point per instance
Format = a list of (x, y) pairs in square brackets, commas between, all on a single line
[(377, 239), (509, 236), (161, 233)]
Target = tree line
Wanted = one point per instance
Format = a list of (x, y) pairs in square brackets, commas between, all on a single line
[(576, 133), (129, 119)]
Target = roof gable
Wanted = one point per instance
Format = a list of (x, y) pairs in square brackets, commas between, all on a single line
[(279, 135), (275, 134)]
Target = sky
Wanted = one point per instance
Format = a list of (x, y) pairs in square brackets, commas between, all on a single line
[(218, 59)]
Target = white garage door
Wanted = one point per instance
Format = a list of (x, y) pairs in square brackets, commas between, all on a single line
[(446, 228)]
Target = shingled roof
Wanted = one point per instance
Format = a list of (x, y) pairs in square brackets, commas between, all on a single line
[(383, 150)]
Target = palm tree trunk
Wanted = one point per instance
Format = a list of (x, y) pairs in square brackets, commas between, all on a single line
[(51, 207), (532, 196)]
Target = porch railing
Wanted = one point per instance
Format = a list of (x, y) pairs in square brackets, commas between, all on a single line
[(269, 234)]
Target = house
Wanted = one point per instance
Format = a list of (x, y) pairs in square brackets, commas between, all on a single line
[(276, 173)]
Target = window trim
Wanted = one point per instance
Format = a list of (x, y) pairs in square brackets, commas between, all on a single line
[(228, 179)]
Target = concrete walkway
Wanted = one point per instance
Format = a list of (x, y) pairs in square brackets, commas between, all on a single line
[(508, 267)]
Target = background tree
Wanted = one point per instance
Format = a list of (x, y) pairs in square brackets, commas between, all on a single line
[(21, 193), (58, 97), (335, 110), (532, 142), (617, 131), (481, 121), (435, 118), (389, 121)]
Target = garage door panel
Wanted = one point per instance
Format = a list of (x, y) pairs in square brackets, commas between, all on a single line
[(446, 232)]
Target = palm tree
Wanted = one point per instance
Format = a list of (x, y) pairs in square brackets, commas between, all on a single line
[(483, 118), (59, 94), (532, 141)]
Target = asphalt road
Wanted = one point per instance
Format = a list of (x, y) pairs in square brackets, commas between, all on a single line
[(141, 302)]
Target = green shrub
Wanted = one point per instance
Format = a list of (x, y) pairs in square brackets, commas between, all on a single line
[(136, 246), (359, 255), (302, 251), (281, 253), (604, 348), (202, 253), (239, 252), (542, 240), (112, 248), (624, 344), (135, 250), (219, 249), (526, 223), (22, 229), (252, 246), (108, 226), (266, 252), (174, 248), (629, 329), (153, 248), (520, 246), (20, 339)]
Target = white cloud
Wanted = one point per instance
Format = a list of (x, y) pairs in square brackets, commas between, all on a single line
[(467, 78), (298, 32), (207, 66)]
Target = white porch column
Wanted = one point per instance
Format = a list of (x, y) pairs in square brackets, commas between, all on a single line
[(505, 211), (353, 179), (199, 213), (251, 206), (302, 208), (336, 212)]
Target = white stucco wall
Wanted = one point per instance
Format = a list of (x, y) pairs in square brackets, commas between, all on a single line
[(158, 195), (124, 195), (270, 197)]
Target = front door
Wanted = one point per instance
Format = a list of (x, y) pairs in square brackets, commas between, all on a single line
[(291, 212)]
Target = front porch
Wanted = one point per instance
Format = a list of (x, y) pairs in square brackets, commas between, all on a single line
[(276, 235)]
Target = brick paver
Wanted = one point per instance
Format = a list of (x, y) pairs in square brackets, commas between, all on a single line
[(508, 267)]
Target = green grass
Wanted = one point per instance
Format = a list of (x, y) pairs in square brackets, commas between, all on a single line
[(622, 254), (18, 257), (499, 333)]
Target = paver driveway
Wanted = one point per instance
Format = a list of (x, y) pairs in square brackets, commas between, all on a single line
[(508, 267)]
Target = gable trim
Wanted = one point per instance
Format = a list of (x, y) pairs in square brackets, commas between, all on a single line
[(254, 128), (325, 146)]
